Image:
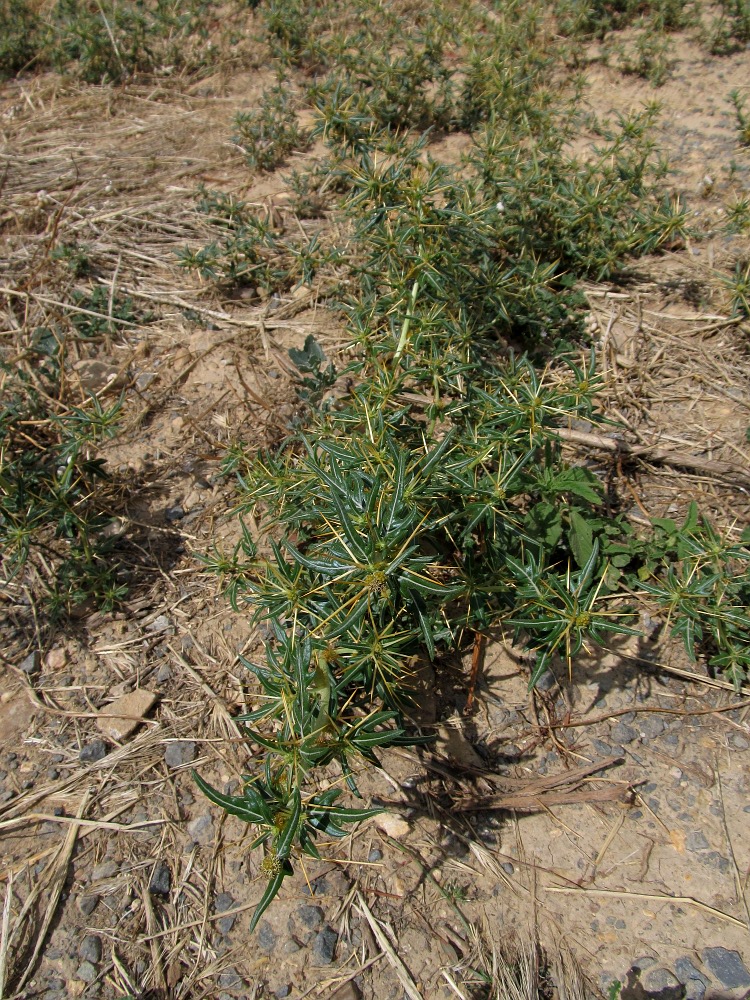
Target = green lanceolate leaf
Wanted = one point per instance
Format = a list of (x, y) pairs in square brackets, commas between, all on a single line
[(580, 538)]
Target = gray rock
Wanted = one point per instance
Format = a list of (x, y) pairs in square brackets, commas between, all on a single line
[(163, 673), (172, 514), (31, 664), (324, 946), (694, 990), (349, 991), (507, 867), (623, 733), (87, 904), (662, 983), (602, 748), (738, 742), (310, 916), (179, 753), (547, 681), (224, 901), (644, 962), (230, 979), (160, 883), (686, 972), (266, 937), (696, 841), (715, 860), (90, 949), (107, 869), (93, 751), (374, 855), (282, 991), (86, 972), (651, 727), (727, 967), (201, 829)]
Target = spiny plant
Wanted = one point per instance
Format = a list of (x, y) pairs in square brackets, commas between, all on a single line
[(423, 498), (267, 135), (743, 117)]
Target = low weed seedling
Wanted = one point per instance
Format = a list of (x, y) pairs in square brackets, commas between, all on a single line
[(268, 135), (743, 117)]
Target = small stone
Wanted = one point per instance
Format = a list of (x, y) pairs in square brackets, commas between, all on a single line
[(31, 664), (715, 860), (623, 733), (694, 989), (349, 991), (90, 949), (266, 937), (282, 991), (651, 727), (201, 829), (93, 751), (160, 883), (392, 826), (310, 916), (56, 658), (738, 742), (87, 904), (230, 979), (324, 946), (172, 514), (123, 715), (160, 624), (696, 841), (86, 972), (107, 869), (163, 673), (179, 753), (546, 682), (727, 966), (508, 868), (604, 749), (685, 971), (644, 962), (224, 901), (374, 855), (662, 983)]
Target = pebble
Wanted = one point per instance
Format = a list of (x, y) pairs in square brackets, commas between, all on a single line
[(738, 742), (349, 991), (602, 748), (172, 514), (107, 869), (651, 727), (93, 751), (224, 901), (324, 946), (31, 664), (90, 949), (87, 904), (163, 673), (282, 991), (266, 937), (56, 658), (374, 855), (658, 981), (507, 867), (201, 829), (686, 971), (230, 979), (621, 732), (120, 717), (179, 753), (696, 841), (727, 967), (86, 972), (305, 922), (715, 860), (160, 883)]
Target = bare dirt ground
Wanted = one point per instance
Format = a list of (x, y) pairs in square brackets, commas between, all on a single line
[(604, 817)]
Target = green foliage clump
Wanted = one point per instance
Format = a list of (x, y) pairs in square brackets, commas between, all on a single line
[(19, 31), (52, 488), (268, 135)]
